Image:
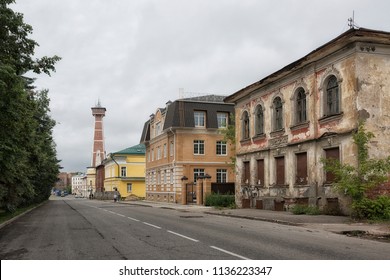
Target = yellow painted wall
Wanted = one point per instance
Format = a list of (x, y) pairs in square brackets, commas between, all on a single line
[(135, 169)]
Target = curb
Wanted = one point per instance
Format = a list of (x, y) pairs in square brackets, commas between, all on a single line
[(20, 215)]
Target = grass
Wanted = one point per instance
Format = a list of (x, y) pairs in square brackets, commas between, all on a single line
[(5, 216)]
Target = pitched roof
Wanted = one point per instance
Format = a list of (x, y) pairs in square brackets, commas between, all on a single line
[(346, 38), (134, 150)]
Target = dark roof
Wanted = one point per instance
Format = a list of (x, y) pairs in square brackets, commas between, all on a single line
[(346, 38), (180, 113), (134, 150)]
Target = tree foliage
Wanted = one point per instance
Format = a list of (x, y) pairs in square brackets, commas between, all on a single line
[(28, 163), (356, 181), (229, 135)]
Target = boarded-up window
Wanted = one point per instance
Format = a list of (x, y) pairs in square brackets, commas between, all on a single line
[(246, 173), (280, 171), (260, 171), (335, 154), (301, 169)]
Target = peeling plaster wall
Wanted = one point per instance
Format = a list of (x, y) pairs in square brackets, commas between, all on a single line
[(364, 81)]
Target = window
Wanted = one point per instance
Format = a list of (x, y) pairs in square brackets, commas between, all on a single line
[(259, 120), (158, 152), (222, 119), (246, 173), (245, 126), (221, 175), (301, 169), (157, 129), (165, 150), (129, 187), (280, 171), (198, 172), (171, 149), (198, 147), (152, 154), (123, 171), (260, 172), (199, 118), (333, 153), (332, 96), (171, 176), (221, 148), (301, 106), (278, 114)]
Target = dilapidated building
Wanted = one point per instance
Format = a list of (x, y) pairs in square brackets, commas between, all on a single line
[(308, 110)]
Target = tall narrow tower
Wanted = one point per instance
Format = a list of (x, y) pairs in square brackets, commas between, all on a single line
[(98, 150)]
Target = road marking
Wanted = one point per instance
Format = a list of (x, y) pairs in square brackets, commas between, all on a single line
[(130, 218), (230, 253), (151, 225), (120, 215), (181, 235)]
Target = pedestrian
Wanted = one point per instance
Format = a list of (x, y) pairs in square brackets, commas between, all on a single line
[(115, 197)]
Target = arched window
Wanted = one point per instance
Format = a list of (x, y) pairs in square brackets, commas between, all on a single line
[(278, 113), (259, 120), (332, 96), (300, 106), (245, 126)]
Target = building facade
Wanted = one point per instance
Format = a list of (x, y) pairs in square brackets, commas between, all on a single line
[(184, 145), (290, 120), (125, 172), (79, 185)]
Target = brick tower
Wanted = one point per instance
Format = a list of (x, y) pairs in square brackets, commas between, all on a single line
[(98, 150)]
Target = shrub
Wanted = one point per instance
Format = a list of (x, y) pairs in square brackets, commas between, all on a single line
[(220, 200), (304, 209), (372, 209)]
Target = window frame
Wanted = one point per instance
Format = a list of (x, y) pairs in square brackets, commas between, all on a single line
[(198, 172), (246, 131), (199, 119), (277, 105), (199, 147), (300, 106), (259, 120), (222, 175), (222, 118), (131, 187), (221, 148), (123, 171), (332, 96)]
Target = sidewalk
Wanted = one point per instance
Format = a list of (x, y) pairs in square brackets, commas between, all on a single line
[(335, 224)]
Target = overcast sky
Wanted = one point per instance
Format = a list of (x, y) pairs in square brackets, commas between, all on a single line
[(135, 55)]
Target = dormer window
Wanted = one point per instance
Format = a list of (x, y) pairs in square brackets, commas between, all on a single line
[(200, 119)]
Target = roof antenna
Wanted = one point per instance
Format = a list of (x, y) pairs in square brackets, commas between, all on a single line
[(351, 22)]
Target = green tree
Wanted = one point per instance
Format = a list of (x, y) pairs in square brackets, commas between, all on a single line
[(229, 135), (356, 180), (28, 164)]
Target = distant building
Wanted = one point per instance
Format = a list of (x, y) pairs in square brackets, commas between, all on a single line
[(64, 180), (308, 110), (79, 186), (185, 148), (125, 171)]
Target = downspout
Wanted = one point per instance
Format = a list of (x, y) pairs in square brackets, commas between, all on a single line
[(113, 158), (174, 163)]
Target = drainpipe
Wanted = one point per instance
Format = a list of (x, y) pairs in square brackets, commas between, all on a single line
[(112, 157), (174, 163)]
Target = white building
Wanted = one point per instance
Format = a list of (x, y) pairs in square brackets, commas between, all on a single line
[(79, 185)]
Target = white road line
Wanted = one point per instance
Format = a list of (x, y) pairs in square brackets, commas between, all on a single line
[(230, 253), (181, 235), (151, 225), (130, 218), (120, 215)]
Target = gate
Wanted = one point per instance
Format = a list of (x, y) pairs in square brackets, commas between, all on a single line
[(191, 193)]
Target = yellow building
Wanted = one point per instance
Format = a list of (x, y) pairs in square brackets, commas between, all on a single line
[(125, 171)]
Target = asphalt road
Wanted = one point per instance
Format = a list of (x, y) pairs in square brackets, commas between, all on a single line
[(77, 229)]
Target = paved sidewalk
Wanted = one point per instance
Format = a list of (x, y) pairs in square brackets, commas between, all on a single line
[(336, 224)]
